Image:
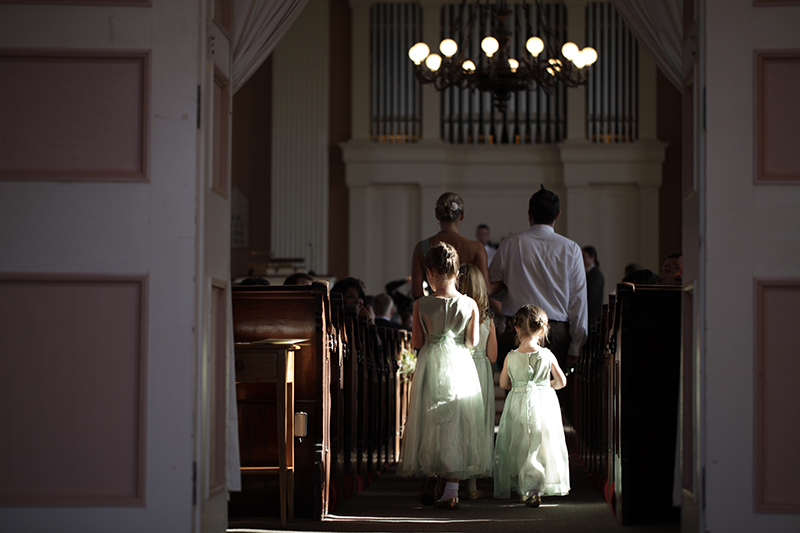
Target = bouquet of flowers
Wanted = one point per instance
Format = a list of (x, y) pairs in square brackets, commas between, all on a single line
[(407, 362)]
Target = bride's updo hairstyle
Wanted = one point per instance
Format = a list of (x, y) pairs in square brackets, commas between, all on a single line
[(449, 207), (442, 260), (531, 320)]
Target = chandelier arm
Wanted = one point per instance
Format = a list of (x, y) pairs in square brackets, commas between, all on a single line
[(494, 75)]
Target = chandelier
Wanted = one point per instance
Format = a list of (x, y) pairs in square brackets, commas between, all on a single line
[(499, 73)]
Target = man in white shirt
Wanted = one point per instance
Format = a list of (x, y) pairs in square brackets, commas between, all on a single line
[(543, 268)]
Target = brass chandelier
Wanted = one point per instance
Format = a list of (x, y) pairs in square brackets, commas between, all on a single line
[(499, 73)]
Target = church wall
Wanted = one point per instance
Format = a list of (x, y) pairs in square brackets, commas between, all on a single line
[(752, 234), (340, 108), (669, 195), (251, 166)]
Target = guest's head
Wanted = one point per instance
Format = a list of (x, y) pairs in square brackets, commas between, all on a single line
[(531, 321), (642, 277), (630, 268), (482, 234), (383, 305), (253, 280), (672, 270), (298, 278), (449, 207), (472, 284), (590, 257), (352, 291), (543, 207), (442, 263)]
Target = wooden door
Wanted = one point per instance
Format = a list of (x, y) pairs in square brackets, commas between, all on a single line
[(114, 266), (214, 331)]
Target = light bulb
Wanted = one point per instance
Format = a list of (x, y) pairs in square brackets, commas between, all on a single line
[(513, 64), (569, 51), (579, 60), (590, 55), (448, 47), (489, 45), (535, 46), (418, 52), (433, 62), (468, 66)]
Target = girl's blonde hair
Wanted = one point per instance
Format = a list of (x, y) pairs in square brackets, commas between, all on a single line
[(442, 260), (530, 321), (472, 284)]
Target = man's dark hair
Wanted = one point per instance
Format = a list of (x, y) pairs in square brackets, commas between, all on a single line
[(482, 226), (676, 255), (544, 206), (592, 252)]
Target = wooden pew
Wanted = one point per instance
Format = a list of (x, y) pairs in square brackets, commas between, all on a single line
[(646, 380), (338, 404), (351, 378), (290, 312)]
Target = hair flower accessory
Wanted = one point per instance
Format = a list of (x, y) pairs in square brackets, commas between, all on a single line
[(454, 206)]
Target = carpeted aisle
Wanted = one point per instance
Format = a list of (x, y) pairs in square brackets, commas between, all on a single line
[(391, 504)]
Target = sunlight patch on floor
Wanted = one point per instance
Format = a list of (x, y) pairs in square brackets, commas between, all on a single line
[(417, 520)]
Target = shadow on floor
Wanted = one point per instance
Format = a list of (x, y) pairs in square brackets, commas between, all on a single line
[(391, 504)]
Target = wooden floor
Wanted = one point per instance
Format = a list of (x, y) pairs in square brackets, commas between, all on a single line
[(391, 504)]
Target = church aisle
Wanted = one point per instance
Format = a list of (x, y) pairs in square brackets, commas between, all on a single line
[(392, 504)]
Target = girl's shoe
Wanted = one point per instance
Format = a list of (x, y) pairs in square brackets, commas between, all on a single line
[(450, 505), (475, 494), (534, 501), (427, 497)]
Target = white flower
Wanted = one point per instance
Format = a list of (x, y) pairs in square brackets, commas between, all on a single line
[(454, 206)]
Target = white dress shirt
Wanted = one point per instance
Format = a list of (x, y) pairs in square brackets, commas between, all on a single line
[(543, 268)]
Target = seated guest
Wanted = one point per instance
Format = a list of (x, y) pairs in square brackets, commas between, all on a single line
[(299, 278), (630, 268), (398, 290), (642, 277), (352, 291), (383, 306), (252, 280), (672, 270)]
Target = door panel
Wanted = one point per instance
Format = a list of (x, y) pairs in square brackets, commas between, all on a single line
[(100, 204)]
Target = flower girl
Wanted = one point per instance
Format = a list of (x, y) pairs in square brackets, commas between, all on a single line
[(445, 416), (531, 452)]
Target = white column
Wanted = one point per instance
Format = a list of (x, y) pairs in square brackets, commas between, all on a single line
[(300, 112)]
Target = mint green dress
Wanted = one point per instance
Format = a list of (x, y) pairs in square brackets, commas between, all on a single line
[(486, 377), (531, 452), (445, 428)]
